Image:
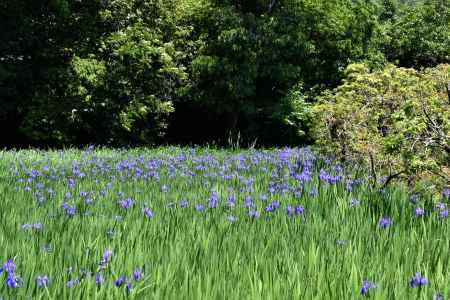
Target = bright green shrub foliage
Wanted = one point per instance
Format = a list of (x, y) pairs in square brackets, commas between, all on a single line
[(395, 119)]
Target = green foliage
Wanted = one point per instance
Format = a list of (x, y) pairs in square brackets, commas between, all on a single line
[(419, 35), (296, 114), (123, 71), (396, 120)]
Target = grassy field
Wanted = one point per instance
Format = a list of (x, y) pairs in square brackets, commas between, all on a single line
[(175, 223)]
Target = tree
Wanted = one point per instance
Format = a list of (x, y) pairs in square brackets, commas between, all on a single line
[(395, 120)]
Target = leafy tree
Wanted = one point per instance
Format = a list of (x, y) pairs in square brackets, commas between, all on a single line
[(418, 35), (395, 120)]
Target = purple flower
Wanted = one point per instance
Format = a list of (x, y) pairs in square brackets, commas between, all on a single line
[(385, 222), (137, 274), (366, 287), (231, 202), (199, 207), (147, 212), (42, 280), (120, 281), (253, 213), (106, 258), (299, 210), (419, 211), (9, 266), (183, 203), (126, 204), (69, 210), (13, 281), (72, 283), (446, 193), (444, 213), (163, 188), (440, 206), (272, 206), (99, 278), (289, 210), (418, 280), (248, 202)]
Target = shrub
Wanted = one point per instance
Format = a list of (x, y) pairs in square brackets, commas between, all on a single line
[(395, 120)]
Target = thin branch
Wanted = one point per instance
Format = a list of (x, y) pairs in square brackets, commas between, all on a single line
[(448, 91), (392, 177), (372, 168)]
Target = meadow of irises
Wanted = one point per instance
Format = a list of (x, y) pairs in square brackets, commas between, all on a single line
[(197, 223)]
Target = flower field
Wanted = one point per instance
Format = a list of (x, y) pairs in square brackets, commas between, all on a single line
[(196, 223)]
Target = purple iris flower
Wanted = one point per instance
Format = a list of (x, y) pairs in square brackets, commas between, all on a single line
[(418, 280), (42, 280), (13, 281), (419, 211), (106, 258), (69, 210), (231, 201), (446, 193), (299, 210), (137, 274), (183, 203), (126, 204), (289, 210), (385, 222), (253, 213), (72, 283), (199, 207), (366, 287), (9, 266), (120, 281), (99, 278), (147, 212)]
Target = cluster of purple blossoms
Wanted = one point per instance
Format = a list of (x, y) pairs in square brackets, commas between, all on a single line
[(72, 283), (213, 200), (12, 280), (324, 176), (69, 210), (443, 210), (272, 206), (417, 281), (35, 226)]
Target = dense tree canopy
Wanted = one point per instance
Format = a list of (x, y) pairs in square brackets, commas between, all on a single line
[(132, 72)]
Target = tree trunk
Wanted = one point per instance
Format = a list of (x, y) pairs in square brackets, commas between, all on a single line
[(448, 91)]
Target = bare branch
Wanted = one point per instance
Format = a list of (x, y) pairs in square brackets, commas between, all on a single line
[(392, 177)]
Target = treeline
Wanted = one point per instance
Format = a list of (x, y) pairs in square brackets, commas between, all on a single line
[(143, 72)]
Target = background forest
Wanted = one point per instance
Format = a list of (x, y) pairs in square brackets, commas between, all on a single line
[(149, 72)]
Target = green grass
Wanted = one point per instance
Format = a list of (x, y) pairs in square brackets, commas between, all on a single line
[(188, 254)]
